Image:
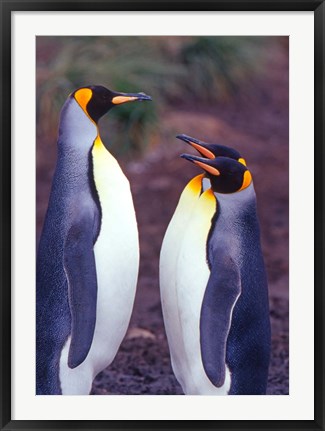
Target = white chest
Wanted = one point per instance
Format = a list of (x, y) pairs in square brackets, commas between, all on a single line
[(116, 252), (182, 289), (117, 263)]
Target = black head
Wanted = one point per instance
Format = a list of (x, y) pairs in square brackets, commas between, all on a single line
[(96, 100), (226, 175), (212, 150)]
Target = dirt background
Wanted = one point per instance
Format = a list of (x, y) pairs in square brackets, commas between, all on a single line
[(259, 130)]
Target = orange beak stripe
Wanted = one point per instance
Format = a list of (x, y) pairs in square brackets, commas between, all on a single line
[(207, 168), (207, 153), (117, 100), (242, 161)]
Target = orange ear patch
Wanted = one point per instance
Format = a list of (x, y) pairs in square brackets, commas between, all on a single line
[(242, 161), (207, 168), (83, 96), (246, 180), (207, 153), (122, 99)]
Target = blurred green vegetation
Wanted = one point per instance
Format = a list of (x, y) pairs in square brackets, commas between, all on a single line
[(173, 70)]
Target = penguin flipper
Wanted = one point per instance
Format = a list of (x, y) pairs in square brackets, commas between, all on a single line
[(220, 296), (80, 267)]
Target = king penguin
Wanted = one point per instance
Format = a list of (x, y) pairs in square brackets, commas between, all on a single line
[(213, 281), (210, 151), (88, 254)]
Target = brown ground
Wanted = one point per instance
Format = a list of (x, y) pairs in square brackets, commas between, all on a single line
[(259, 130)]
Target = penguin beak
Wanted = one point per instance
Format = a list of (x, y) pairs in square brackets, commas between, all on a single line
[(203, 163), (129, 97), (200, 146)]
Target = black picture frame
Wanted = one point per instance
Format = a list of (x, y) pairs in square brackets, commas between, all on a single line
[(7, 7)]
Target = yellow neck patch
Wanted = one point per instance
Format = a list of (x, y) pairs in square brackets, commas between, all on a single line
[(246, 181), (83, 96), (98, 144), (103, 164), (209, 195), (195, 185)]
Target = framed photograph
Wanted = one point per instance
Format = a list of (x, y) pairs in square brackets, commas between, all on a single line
[(239, 88)]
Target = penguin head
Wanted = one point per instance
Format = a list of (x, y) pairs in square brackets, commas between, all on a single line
[(96, 100), (226, 175), (212, 150)]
